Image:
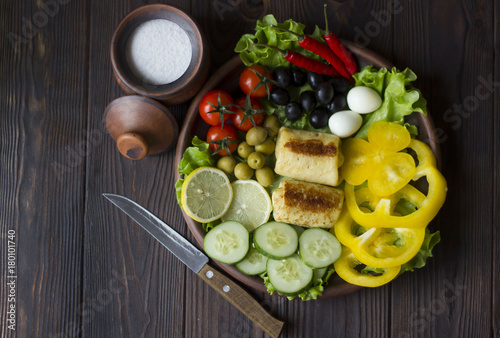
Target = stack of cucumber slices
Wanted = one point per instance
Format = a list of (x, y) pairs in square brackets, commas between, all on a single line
[(292, 257)]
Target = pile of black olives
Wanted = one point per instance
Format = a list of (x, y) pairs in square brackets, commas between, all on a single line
[(328, 95)]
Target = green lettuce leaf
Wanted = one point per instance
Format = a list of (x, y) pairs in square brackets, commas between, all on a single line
[(209, 226), (267, 35), (399, 98), (425, 252), (368, 269), (199, 155)]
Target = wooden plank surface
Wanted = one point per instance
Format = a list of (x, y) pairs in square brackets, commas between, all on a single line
[(44, 75), (458, 302), (84, 269)]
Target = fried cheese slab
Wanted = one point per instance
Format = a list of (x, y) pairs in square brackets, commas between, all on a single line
[(307, 204), (308, 156)]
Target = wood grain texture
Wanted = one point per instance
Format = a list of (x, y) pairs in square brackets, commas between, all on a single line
[(242, 300), (458, 302), (150, 299), (495, 223), (44, 79)]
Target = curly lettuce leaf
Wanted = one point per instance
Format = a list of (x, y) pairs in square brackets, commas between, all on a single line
[(399, 99), (425, 252), (267, 35), (210, 225), (199, 155), (314, 291)]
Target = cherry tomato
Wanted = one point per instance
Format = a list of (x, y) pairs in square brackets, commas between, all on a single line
[(210, 107), (249, 80), (237, 118), (228, 137)]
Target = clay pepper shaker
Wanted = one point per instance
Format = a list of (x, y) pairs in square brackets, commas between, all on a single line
[(140, 126)]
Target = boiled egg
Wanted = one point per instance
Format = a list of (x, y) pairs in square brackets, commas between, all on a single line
[(363, 100), (344, 123)]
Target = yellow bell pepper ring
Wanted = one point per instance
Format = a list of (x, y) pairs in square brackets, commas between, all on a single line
[(379, 160), (383, 214), (346, 265), (377, 246)]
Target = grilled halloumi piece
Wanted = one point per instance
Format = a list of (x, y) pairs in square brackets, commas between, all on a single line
[(307, 204), (308, 156)]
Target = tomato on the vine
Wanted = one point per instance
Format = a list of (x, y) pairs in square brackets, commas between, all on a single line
[(222, 138), (256, 81), (242, 118), (214, 107)]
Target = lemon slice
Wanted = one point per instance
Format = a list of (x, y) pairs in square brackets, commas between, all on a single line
[(206, 194), (251, 204)]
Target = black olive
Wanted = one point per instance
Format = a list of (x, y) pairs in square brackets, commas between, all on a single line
[(307, 100), (280, 96), (298, 77), (282, 76), (314, 79), (324, 93), (340, 85), (319, 117), (293, 111), (337, 104)]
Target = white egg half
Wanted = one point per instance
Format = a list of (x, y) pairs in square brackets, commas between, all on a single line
[(345, 123), (363, 100)]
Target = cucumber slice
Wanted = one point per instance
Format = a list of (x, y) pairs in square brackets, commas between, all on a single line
[(228, 242), (254, 263), (289, 276), (319, 273), (319, 248), (276, 240)]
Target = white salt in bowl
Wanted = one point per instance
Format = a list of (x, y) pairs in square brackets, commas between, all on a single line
[(158, 51)]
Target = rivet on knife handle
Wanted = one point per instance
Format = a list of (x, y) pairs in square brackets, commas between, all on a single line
[(242, 300)]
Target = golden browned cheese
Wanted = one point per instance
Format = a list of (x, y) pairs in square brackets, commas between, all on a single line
[(307, 204), (308, 156)]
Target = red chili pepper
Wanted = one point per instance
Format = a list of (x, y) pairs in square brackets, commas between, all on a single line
[(318, 48), (304, 62), (339, 49)]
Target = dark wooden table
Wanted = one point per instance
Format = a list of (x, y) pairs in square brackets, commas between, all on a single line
[(85, 269)]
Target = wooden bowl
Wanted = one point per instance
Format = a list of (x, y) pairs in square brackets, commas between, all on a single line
[(178, 91), (226, 78)]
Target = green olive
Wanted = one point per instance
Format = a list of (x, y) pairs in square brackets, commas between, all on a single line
[(226, 164), (272, 125), (265, 176), (244, 150), (256, 136), (256, 160), (243, 172), (266, 148)]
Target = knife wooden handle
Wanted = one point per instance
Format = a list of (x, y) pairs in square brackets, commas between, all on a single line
[(242, 300)]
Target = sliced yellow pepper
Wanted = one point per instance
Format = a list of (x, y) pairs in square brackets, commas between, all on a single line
[(379, 160), (346, 265), (383, 214), (376, 247)]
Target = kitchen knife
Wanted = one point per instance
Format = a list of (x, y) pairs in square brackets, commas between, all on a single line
[(198, 262)]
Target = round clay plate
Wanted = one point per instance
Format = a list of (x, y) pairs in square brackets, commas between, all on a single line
[(226, 78)]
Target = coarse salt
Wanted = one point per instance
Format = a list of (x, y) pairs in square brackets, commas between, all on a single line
[(159, 51)]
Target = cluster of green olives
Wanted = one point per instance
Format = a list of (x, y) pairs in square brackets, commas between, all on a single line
[(259, 143)]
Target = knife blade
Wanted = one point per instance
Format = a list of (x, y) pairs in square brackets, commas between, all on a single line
[(197, 261), (168, 237)]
